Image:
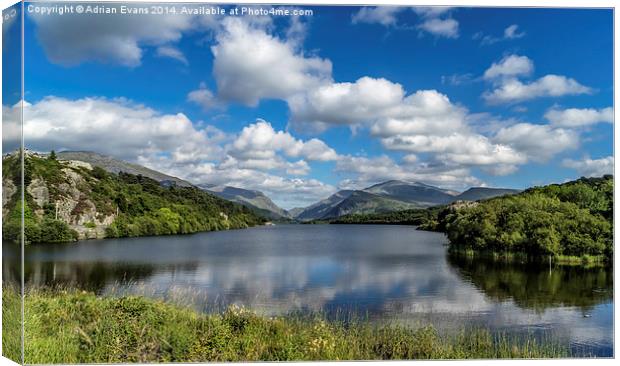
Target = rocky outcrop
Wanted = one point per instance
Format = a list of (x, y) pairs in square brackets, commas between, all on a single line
[(71, 203), (8, 190)]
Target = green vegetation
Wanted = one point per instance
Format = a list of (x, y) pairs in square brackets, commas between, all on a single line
[(141, 205), (406, 217), (78, 327), (11, 321), (563, 221)]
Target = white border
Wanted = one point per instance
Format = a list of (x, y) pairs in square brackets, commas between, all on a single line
[(474, 3)]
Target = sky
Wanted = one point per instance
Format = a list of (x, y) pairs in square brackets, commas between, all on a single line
[(300, 106)]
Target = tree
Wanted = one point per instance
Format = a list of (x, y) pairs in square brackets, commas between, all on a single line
[(52, 155)]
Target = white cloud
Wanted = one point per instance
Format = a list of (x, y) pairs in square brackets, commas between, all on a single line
[(361, 172), (115, 127), (538, 142), (287, 192), (346, 103), (384, 15), (172, 144), (591, 167), (250, 65), (448, 28), (204, 98), (431, 11), (458, 148), (173, 53), (513, 90), (511, 32), (423, 112), (260, 141), (510, 66), (574, 117), (72, 39)]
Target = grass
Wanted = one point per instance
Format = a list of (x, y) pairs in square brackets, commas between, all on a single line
[(585, 260), (79, 327)]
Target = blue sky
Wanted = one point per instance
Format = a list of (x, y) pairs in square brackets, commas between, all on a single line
[(301, 106)]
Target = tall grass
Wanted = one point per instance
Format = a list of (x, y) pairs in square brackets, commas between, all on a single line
[(79, 327)]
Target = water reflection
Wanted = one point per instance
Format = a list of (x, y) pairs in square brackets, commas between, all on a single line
[(537, 287)]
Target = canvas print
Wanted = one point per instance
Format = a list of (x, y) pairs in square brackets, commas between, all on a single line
[(203, 182)]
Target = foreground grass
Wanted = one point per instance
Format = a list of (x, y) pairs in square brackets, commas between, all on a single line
[(78, 327)]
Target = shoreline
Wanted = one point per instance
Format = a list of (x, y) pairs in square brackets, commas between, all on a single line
[(79, 327)]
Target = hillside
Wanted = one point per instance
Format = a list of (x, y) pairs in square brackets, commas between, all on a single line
[(362, 202), (70, 200), (322, 208), (116, 166), (482, 193), (254, 200), (422, 195)]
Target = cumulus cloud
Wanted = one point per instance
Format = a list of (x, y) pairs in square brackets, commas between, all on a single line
[(260, 141), (538, 142), (128, 129), (510, 66), (513, 90), (346, 103), (72, 39), (574, 117), (250, 64), (384, 15), (448, 28), (287, 192), (591, 167), (204, 98), (504, 76), (361, 172)]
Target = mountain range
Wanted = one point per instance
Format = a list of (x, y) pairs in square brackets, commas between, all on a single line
[(392, 195)]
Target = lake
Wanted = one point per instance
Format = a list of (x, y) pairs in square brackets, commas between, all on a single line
[(392, 274)]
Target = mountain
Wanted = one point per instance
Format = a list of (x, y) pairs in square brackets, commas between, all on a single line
[(362, 202), (294, 212), (422, 195), (389, 196), (67, 200), (482, 193), (321, 208), (255, 200), (116, 166)]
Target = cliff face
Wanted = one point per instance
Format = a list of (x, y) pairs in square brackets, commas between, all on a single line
[(71, 203), (67, 200)]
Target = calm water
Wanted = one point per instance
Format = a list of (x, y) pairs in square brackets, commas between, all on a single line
[(388, 273)]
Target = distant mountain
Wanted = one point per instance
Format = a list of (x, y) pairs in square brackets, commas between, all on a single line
[(362, 202), (294, 212), (115, 166), (321, 208), (481, 193), (392, 195), (255, 200), (420, 194)]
